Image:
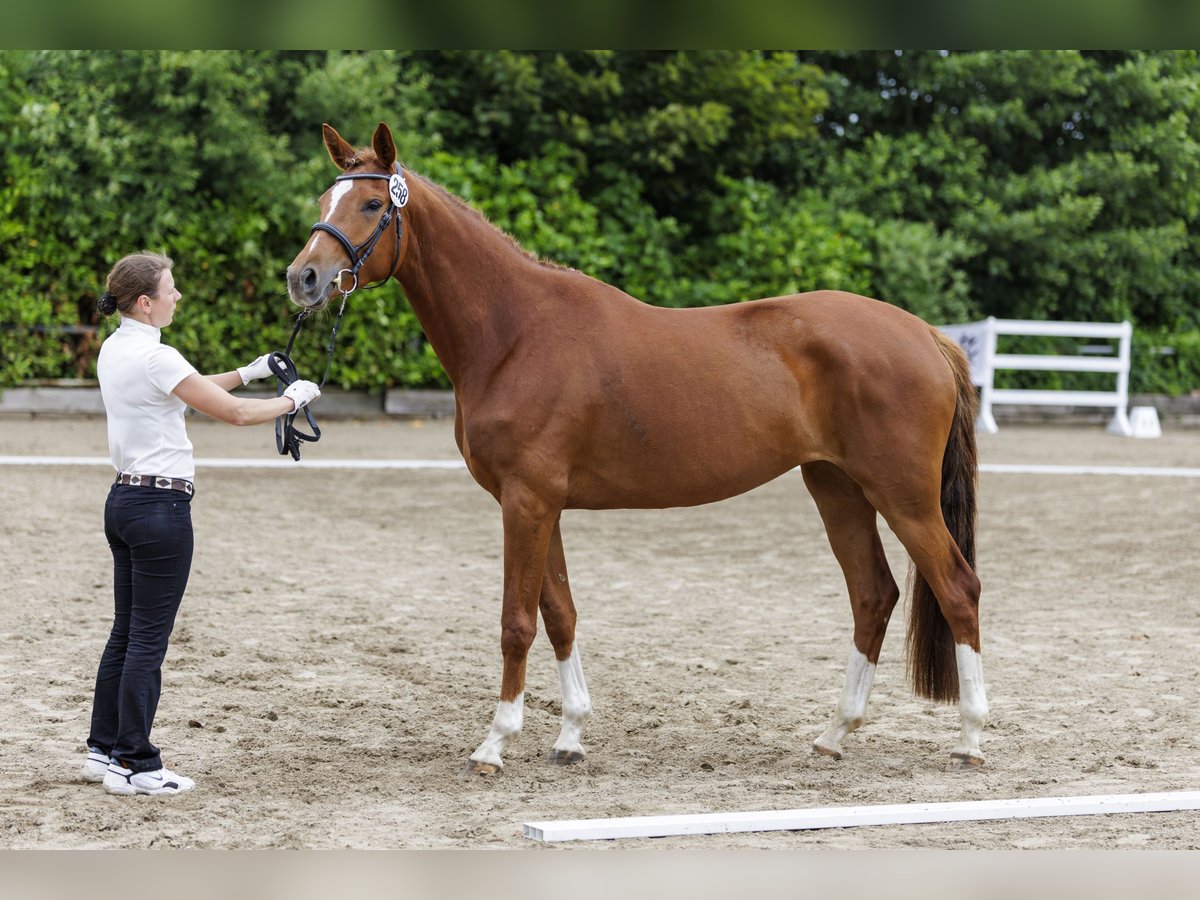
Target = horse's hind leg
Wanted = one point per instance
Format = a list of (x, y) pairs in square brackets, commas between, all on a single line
[(955, 587), (850, 525), (558, 615)]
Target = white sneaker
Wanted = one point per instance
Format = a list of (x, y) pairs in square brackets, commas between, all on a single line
[(119, 780), (95, 765)]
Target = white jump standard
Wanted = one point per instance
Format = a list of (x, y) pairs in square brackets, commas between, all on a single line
[(978, 340)]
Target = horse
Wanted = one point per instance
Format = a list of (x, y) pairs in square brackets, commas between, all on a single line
[(572, 394)]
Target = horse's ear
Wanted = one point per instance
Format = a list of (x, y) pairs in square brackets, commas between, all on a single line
[(339, 151), (385, 147)]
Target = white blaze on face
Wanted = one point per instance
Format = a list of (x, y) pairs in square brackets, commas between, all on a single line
[(340, 190)]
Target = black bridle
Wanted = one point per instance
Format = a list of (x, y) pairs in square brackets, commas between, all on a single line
[(398, 193), (287, 437)]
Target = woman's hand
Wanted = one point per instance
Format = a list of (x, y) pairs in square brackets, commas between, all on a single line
[(260, 368), (302, 393)]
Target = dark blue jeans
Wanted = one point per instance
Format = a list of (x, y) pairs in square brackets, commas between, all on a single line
[(150, 534)]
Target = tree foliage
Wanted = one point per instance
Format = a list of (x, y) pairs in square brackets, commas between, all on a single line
[(1072, 179), (1046, 185)]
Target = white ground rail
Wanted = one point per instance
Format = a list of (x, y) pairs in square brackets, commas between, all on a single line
[(855, 816), (978, 340)]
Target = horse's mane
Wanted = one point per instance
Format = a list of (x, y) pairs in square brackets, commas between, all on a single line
[(366, 156), (471, 210)]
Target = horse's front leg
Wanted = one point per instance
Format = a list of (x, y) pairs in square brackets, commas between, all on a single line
[(528, 523), (558, 614)]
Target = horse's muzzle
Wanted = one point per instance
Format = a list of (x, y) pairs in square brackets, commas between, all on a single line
[(306, 287)]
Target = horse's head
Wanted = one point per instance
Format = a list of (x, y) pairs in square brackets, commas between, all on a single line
[(359, 238)]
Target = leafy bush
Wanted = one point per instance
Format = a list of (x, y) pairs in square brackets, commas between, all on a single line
[(1041, 185), (187, 153), (766, 245), (1165, 362)]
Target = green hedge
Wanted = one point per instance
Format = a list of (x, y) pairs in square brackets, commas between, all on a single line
[(683, 178), (1165, 362)]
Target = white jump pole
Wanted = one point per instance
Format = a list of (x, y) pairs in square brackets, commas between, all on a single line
[(855, 816)]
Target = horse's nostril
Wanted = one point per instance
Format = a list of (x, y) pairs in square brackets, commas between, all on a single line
[(309, 277)]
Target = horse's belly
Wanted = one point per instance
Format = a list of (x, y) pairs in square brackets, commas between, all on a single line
[(639, 484), (682, 451)]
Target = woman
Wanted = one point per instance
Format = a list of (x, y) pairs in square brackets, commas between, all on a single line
[(146, 385)]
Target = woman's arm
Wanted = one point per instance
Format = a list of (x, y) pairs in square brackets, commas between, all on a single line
[(209, 395), (226, 380)]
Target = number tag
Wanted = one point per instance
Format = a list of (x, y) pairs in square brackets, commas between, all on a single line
[(398, 189)]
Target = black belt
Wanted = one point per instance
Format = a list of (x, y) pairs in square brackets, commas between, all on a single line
[(157, 481)]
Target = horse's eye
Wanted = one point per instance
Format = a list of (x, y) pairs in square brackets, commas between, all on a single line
[(373, 205)]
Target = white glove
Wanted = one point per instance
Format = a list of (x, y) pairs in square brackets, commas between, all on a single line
[(257, 369), (302, 393)]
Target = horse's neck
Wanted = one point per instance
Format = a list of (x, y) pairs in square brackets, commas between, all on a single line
[(467, 283)]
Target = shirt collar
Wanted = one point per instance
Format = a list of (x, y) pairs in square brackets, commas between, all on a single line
[(141, 328)]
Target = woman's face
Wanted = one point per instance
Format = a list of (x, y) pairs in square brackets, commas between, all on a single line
[(162, 305)]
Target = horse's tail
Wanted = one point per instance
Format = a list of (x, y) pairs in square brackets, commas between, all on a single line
[(931, 655)]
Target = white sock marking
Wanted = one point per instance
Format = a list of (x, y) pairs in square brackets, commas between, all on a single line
[(507, 722), (972, 700), (576, 704), (851, 710)]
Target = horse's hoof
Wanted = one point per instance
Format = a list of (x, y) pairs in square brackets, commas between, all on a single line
[(474, 769), (962, 762), (564, 757), (823, 750)]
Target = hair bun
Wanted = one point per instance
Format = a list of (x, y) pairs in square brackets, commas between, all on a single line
[(107, 304)]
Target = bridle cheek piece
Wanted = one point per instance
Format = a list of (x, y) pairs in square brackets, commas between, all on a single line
[(287, 437)]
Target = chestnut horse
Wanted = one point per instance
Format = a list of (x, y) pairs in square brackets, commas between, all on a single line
[(572, 394)]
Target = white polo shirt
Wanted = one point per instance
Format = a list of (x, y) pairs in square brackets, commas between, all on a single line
[(146, 433)]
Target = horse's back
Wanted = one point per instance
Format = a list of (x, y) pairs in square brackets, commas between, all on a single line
[(676, 407), (825, 349)]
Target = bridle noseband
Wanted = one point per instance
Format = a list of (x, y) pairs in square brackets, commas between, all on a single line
[(287, 436)]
